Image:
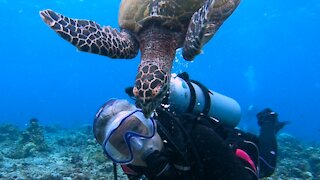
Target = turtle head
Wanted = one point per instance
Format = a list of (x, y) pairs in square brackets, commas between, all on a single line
[(151, 86)]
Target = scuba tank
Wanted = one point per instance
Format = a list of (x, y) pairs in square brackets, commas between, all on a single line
[(189, 96)]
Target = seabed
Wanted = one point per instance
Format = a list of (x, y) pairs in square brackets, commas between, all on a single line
[(52, 152)]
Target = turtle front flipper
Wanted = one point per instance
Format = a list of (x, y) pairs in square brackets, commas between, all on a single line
[(196, 30), (205, 23), (89, 36)]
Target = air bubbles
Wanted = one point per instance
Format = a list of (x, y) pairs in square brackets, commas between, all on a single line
[(179, 63)]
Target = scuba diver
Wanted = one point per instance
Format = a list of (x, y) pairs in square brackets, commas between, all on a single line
[(188, 145)]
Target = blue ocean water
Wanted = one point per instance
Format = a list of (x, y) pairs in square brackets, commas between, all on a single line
[(265, 55)]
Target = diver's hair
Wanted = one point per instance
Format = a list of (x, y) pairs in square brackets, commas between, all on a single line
[(106, 113)]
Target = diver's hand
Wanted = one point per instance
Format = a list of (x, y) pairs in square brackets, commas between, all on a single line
[(269, 119), (267, 116)]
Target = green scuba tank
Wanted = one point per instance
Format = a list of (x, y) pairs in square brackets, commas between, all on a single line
[(192, 97)]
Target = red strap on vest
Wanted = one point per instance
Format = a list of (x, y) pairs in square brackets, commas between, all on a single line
[(128, 170), (243, 155)]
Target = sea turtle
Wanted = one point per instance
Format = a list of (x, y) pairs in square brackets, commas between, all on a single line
[(157, 28)]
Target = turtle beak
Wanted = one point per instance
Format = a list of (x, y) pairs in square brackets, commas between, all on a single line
[(149, 99), (147, 107)]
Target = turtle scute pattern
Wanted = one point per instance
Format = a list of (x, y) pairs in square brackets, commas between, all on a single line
[(149, 80), (136, 15), (89, 36)]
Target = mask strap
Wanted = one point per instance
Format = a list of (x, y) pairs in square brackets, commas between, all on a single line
[(115, 173)]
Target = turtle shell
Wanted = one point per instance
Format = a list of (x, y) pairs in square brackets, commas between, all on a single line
[(135, 15)]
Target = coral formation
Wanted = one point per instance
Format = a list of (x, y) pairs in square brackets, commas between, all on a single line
[(296, 159), (34, 136), (30, 142)]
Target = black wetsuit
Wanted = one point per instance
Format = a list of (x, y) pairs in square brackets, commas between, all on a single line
[(206, 150), (197, 147)]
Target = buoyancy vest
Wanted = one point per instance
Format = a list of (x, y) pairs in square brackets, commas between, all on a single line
[(174, 130), (177, 127)]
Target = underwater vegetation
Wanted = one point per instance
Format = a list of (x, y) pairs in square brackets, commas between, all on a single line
[(51, 152)]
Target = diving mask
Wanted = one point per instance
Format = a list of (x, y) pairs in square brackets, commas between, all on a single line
[(126, 133)]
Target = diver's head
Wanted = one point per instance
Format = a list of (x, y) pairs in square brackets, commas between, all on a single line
[(124, 132), (104, 115)]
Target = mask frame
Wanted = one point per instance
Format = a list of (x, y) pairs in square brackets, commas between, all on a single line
[(111, 151)]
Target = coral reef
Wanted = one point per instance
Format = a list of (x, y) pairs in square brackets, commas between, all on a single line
[(74, 154), (33, 137), (30, 142), (297, 160)]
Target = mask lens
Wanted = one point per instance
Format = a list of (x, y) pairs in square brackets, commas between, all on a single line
[(134, 125)]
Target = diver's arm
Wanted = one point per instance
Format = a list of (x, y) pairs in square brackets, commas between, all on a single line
[(267, 120), (270, 125), (268, 150)]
